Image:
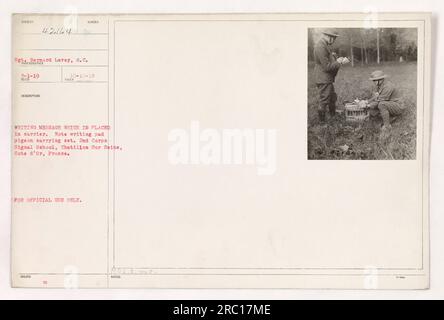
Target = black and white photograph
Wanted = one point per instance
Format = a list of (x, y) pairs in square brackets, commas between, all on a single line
[(162, 151), (362, 93)]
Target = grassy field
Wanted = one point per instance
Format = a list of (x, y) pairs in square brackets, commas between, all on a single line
[(342, 140)]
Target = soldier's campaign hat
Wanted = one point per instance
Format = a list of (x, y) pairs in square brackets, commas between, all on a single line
[(378, 75), (330, 32)]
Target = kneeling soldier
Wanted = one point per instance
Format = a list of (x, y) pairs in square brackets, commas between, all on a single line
[(385, 99)]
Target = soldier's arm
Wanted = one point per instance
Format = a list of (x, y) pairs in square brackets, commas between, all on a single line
[(373, 97), (324, 60), (372, 102), (386, 93)]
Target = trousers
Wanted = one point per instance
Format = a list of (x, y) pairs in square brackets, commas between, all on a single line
[(387, 109), (327, 97)]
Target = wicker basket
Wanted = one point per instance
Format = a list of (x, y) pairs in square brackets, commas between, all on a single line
[(356, 111)]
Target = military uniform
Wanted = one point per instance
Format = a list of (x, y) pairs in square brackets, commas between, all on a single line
[(326, 68), (385, 100)]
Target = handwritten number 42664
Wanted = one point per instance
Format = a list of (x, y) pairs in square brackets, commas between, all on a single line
[(59, 30)]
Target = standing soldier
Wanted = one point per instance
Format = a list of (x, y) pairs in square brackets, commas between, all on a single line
[(326, 68)]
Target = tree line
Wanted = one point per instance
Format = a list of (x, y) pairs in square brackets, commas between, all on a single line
[(371, 46)]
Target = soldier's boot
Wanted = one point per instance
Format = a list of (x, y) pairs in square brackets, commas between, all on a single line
[(332, 110), (386, 127), (334, 117), (321, 116), (394, 118), (385, 116)]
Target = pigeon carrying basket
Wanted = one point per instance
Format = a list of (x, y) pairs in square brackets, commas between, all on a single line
[(356, 111)]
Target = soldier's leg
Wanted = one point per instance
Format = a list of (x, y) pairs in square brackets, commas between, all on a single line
[(382, 107), (394, 108), (389, 108), (333, 99), (324, 99)]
